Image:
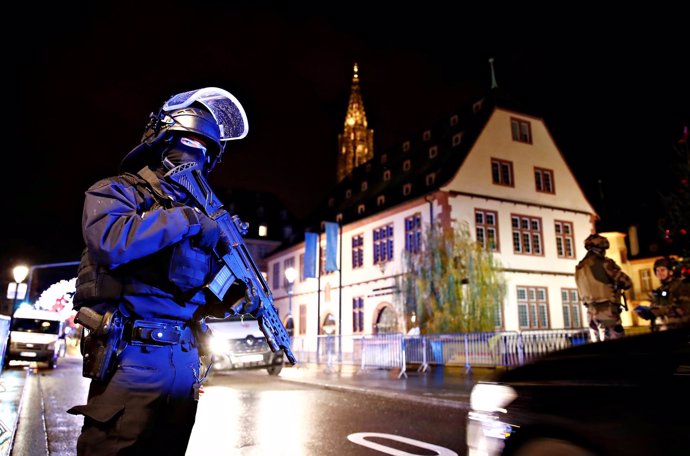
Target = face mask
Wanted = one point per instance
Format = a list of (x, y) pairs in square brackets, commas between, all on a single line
[(185, 150)]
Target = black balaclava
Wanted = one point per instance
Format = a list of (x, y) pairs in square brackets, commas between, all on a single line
[(184, 149)]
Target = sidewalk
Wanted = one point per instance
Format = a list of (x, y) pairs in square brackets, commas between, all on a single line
[(11, 392)]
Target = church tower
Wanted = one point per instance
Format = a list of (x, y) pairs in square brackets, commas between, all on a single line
[(356, 142)]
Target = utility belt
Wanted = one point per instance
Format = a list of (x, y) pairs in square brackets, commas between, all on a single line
[(111, 332), (143, 332)]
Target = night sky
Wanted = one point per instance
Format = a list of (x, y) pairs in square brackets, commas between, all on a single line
[(81, 82)]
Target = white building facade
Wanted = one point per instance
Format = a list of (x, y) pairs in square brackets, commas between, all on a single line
[(493, 168)]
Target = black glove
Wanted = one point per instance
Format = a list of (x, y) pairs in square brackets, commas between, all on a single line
[(209, 234), (209, 231), (248, 306)]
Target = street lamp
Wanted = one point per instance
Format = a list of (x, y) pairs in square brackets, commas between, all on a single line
[(290, 276), (17, 289)]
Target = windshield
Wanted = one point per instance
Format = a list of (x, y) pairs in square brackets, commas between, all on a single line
[(33, 325)]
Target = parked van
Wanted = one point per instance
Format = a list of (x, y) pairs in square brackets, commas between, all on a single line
[(37, 335)]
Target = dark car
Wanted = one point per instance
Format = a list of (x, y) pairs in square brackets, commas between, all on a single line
[(629, 396)]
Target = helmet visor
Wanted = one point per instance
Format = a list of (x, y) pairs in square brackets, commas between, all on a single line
[(227, 111)]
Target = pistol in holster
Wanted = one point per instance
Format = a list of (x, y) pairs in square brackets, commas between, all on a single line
[(100, 347)]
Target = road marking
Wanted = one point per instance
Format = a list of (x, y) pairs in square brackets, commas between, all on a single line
[(360, 438)]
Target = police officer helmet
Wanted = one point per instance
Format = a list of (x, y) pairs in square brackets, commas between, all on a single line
[(211, 115), (596, 241), (665, 263)]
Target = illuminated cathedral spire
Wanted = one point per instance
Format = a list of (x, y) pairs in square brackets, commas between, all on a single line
[(356, 142)]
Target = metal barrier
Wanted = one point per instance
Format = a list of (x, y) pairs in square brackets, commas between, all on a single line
[(503, 349), (4, 338)]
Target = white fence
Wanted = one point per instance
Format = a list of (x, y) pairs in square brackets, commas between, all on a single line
[(397, 351)]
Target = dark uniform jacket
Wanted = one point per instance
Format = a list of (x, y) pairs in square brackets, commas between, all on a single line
[(147, 246)]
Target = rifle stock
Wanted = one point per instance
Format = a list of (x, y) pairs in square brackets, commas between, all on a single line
[(237, 264)]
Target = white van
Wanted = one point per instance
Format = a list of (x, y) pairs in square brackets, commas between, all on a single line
[(36, 335)]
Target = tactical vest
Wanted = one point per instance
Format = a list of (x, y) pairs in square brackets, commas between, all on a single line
[(591, 289)]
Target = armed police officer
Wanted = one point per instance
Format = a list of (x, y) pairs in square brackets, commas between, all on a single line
[(671, 300), (141, 280), (600, 283)]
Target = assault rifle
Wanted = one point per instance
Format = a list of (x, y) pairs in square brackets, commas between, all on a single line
[(237, 263)]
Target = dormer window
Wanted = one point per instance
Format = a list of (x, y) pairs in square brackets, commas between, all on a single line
[(430, 179), (360, 209), (331, 202), (348, 194), (339, 218), (521, 130), (407, 165), (433, 151), (381, 200), (457, 138), (406, 146), (454, 120), (407, 189), (478, 106), (387, 175), (365, 186), (384, 158), (426, 135)]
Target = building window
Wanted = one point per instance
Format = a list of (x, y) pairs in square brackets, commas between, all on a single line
[(407, 165), (357, 251), (521, 130), (571, 308), (433, 151), (426, 135), (527, 235), (358, 314), (646, 279), (502, 172), (383, 244), (486, 227), (543, 180), (381, 200), (364, 186), (457, 138), (387, 175), (565, 242), (498, 322), (360, 209), (407, 189), (301, 267), (532, 308), (276, 275), (430, 179), (348, 193), (322, 262), (413, 233), (302, 319), (263, 230), (406, 146), (454, 120), (287, 263)]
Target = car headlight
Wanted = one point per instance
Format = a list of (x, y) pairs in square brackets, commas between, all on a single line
[(219, 345), (491, 397)]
